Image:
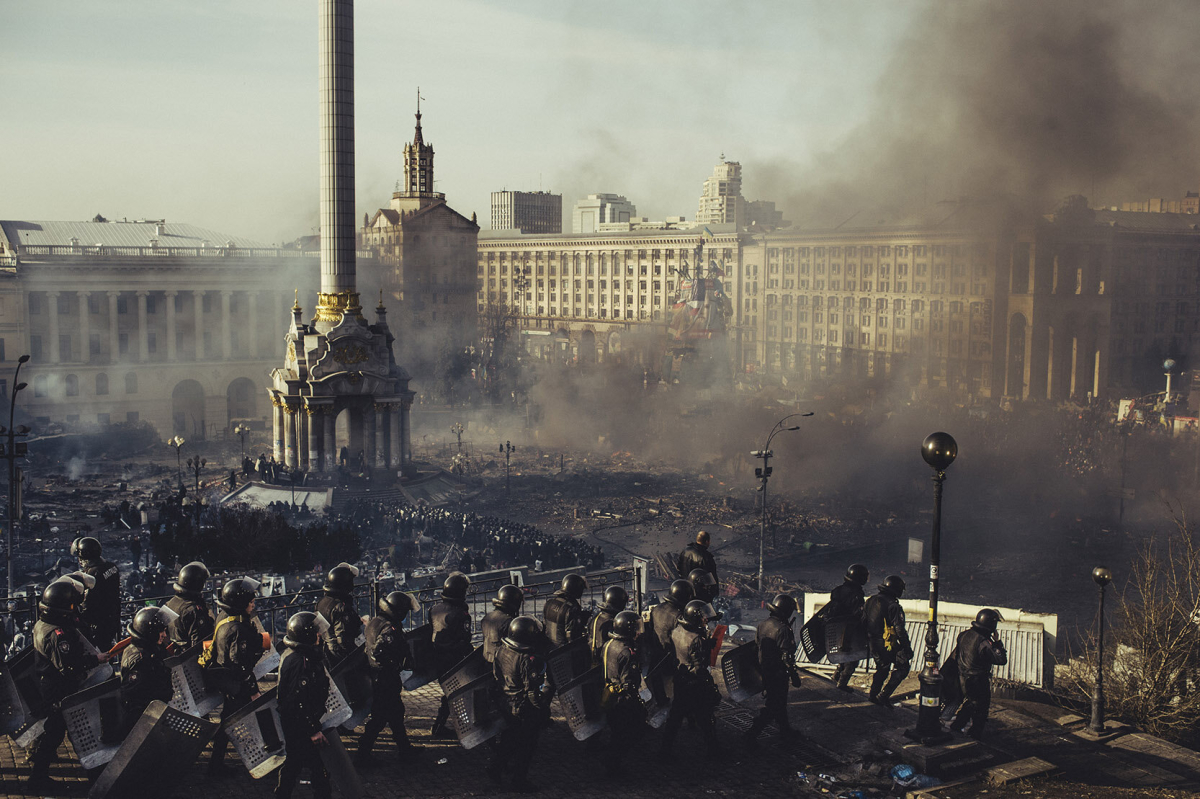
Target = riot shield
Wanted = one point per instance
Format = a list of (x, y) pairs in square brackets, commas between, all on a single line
[(580, 703), (267, 663), (257, 735), (337, 709), (845, 641), (469, 669), (192, 695), (474, 714), (95, 722), (740, 672), (353, 679), (420, 643), (342, 772), (14, 711), (568, 662), (812, 639), (162, 745)]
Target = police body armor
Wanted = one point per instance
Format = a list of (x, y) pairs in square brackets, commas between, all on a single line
[(564, 619), (495, 625)]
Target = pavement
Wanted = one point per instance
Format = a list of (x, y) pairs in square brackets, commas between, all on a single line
[(844, 738)]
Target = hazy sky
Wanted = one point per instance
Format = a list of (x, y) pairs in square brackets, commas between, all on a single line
[(206, 112)]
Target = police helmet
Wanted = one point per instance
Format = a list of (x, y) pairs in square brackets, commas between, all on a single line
[(524, 634), (397, 605), (87, 548), (782, 606), (627, 626), (573, 585), (680, 593), (509, 598), (695, 615), (60, 600), (340, 579), (700, 577), (858, 573), (456, 586), (304, 630), (192, 578), (237, 594), (615, 599), (149, 623), (987, 620), (893, 585)]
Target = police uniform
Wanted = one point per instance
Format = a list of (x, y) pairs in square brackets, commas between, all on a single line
[(344, 625), (495, 625), (846, 603), (777, 663), (598, 629), (100, 611), (144, 678), (663, 618), (195, 623), (622, 685), (695, 693), (977, 652), (889, 644), (61, 662), (565, 621), (451, 622), (236, 647), (303, 690), (697, 556), (387, 655), (521, 676)]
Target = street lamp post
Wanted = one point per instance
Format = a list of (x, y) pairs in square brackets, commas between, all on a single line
[(242, 431), (507, 448), (939, 450), (10, 454), (1168, 367), (177, 442), (195, 466), (1102, 577), (763, 473), (457, 429)]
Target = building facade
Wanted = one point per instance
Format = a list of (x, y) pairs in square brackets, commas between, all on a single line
[(527, 211), (600, 209), (721, 199), (143, 321)]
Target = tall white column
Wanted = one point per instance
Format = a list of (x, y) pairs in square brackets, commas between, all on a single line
[(143, 329), (313, 417), (172, 335), (114, 340), (52, 309), (277, 428), (394, 456), (380, 433), (198, 302), (368, 434), (226, 330), (85, 333), (289, 436), (405, 435)]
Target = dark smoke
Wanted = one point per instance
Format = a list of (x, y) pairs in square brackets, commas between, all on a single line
[(1025, 98)]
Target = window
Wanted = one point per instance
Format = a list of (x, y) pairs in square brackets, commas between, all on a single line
[(63, 304), (130, 382), (122, 304), (1, 349), (206, 304), (72, 386), (102, 419), (101, 384), (151, 305)]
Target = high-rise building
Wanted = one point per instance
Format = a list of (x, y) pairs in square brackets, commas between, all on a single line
[(527, 211), (598, 209), (721, 200)]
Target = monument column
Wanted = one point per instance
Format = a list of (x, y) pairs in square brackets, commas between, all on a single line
[(114, 341), (313, 416), (395, 459), (330, 425), (289, 436), (252, 343), (143, 330), (172, 336), (52, 309), (277, 428), (380, 445), (405, 436), (85, 334)]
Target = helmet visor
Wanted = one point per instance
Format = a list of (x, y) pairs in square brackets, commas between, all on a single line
[(88, 581), (353, 569), (76, 584), (167, 615), (251, 584), (322, 624)]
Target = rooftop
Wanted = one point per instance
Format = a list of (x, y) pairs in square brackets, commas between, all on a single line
[(120, 234)]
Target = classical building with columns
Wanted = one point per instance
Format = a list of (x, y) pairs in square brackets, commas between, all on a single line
[(153, 321)]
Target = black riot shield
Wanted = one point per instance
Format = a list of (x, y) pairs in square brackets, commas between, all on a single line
[(568, 662), (25, 681), (740, 672), (845, 641), (257, 735), (473, 713), (342, 772), (95, 722), (192, 695), (14, 711), (580, 704), (465, 672), (162, 745), (420, 643), (353, 679), (812, 639)]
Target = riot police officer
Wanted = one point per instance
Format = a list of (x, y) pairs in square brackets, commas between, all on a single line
[(615, 600), (696, 694), (704, 584), (846, 604), (508, 601), (520, 671), (101, 611), (303, 689), (663, 618), (237, 645), (451, 639), (195, 622), (565, 620), (697, 556), (387, 655), (61, 661), (622, 686), (337, 606), (777, 664), (979, 648), (889, 640), (144, 675)]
